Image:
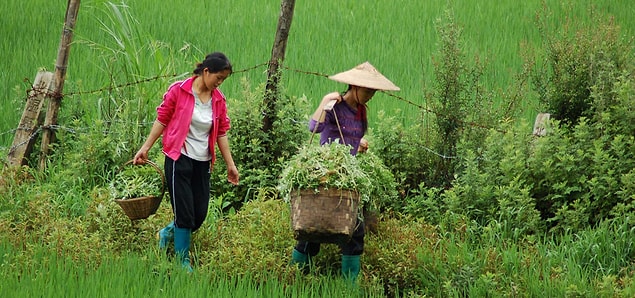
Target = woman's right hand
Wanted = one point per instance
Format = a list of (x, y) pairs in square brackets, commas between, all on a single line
[(141, 157), (332, 98), (329, 100)]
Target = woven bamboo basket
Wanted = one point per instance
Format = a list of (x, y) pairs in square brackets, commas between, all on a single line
[(327, 216), (143, 207)]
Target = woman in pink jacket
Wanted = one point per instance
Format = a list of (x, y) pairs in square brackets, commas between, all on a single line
[(192, 119)]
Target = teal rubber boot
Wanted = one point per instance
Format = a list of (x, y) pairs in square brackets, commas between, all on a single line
[(350, 267), (182, 238), (166, 235), (301, 260)]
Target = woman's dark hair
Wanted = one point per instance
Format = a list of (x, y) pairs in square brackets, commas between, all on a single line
[(214, 62)]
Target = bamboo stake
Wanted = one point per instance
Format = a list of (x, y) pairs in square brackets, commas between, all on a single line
[(55, 99), (277, 57)]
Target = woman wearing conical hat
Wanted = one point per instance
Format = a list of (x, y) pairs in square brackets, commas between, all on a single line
[(348, 110)]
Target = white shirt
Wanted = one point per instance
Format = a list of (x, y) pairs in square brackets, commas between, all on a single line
[(197, 140)]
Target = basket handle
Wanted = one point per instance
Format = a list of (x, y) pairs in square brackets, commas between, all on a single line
[(156, 167)]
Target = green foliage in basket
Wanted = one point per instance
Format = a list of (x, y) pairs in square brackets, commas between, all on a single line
[(382, 191), (329, 166), (135, 181)]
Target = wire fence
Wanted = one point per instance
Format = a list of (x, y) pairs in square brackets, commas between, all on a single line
[(33, 91)]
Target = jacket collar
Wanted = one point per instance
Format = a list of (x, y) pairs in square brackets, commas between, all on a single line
[(186, 85)]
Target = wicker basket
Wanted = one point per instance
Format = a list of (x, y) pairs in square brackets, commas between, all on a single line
[(327, 216), (143, 207)]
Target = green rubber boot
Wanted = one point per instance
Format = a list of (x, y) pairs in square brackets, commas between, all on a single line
[(182, 239), (300, 259), (166, 235), (350, 267)]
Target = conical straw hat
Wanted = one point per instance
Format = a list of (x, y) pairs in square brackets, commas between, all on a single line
[(365, 75)]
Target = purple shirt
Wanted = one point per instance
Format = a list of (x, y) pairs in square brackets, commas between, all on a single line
[(352, 126)]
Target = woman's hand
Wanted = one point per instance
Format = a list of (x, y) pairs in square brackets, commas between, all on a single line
[(141, 157), (330, 100), (363, 146), (327, 103), (232, 175)]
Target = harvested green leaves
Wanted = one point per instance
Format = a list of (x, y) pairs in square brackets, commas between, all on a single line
[(329, 166), (134, 181)]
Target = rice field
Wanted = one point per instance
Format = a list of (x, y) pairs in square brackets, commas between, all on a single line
[(398, 37)]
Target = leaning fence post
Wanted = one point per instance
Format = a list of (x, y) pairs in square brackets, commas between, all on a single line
[(31, 120)]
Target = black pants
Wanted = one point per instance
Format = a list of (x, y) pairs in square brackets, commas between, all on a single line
[(188, 185), (354, 247)]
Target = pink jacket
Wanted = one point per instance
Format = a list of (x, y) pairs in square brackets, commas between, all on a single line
[(175, 113)]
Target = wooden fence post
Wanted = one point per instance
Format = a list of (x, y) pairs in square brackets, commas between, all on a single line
[(277, 57), (31, 120), (55, 100), (540, 125)]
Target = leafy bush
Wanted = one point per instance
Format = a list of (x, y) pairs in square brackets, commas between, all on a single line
[(393, 254), (257, 240), (568, 180), (584, 64), (575, 176), (497, 184), (403, 150), (581, 174), (425, 203), (259, 154)]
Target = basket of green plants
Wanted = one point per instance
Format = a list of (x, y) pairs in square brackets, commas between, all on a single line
[(138, 189), (325, 187)]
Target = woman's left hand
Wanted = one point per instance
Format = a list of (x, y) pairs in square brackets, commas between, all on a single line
[(363, 146), (232, 175)]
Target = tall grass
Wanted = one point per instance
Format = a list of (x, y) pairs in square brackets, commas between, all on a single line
[(47, 253), (398, 37), (133, 275), (593, 263)]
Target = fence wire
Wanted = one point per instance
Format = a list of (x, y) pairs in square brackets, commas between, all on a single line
[(35, 91)]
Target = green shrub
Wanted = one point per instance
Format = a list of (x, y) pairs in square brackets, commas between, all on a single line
[(259, 168), (572, 178), (393, 254), (257, 240), (425, 203), (497, 184), (580, 174), (403, 150), (583, 64)]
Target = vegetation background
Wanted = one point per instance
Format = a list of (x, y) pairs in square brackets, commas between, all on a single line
[(473, 205), (398, 37)]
